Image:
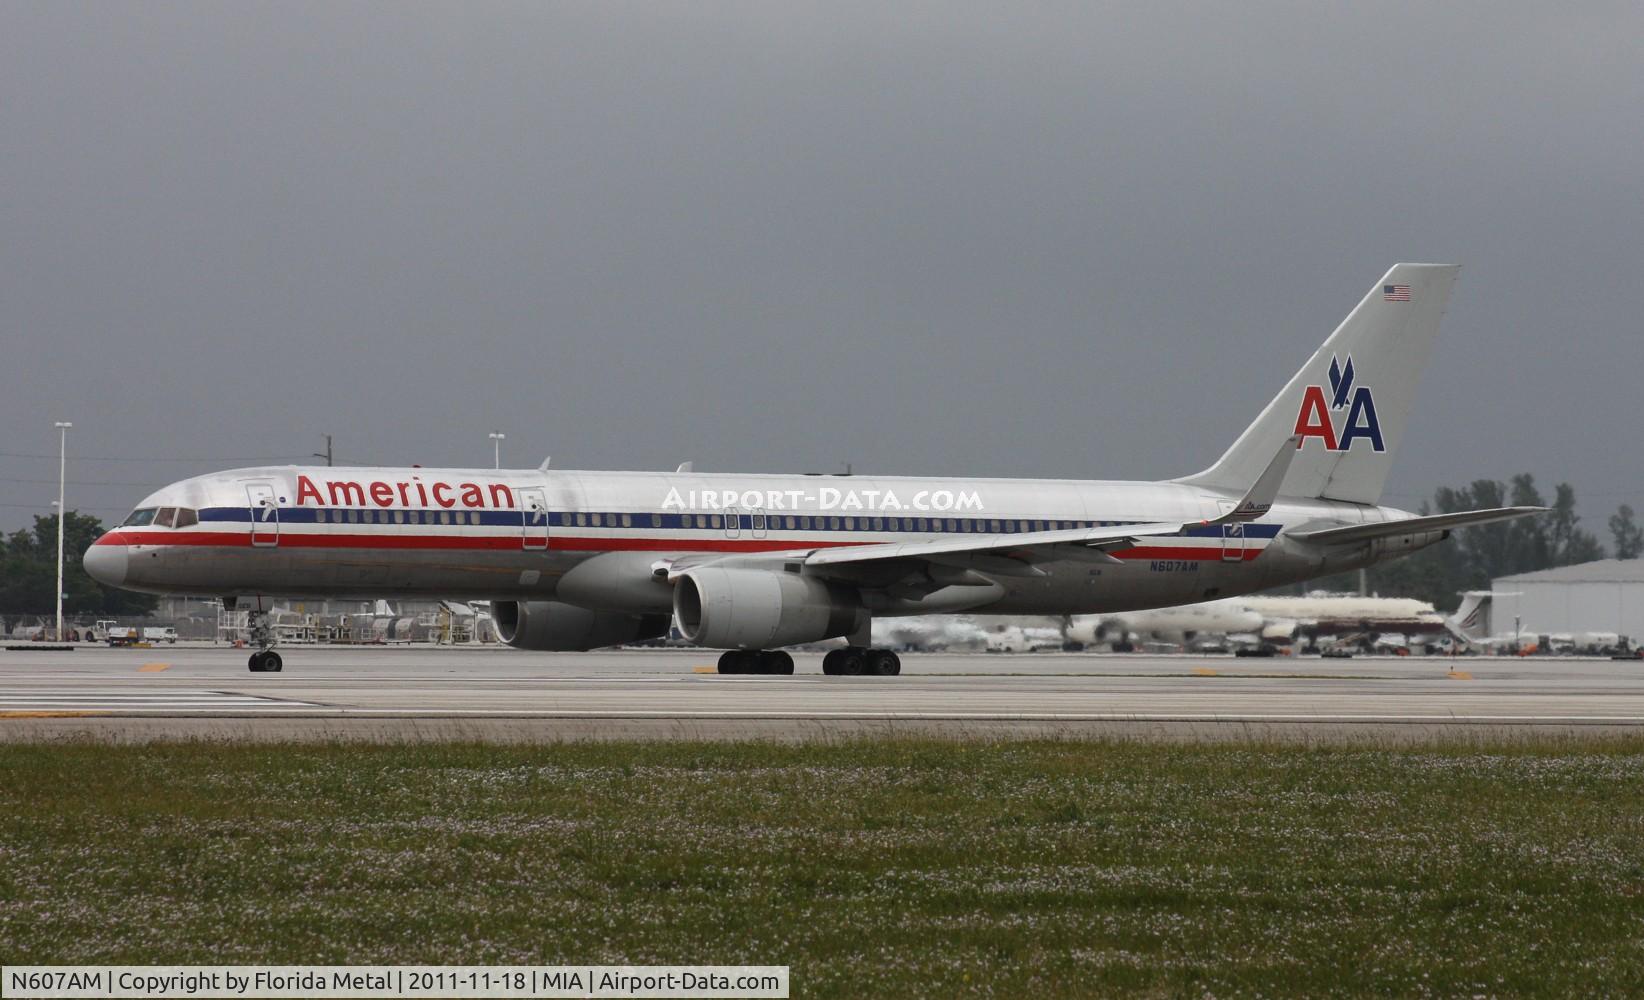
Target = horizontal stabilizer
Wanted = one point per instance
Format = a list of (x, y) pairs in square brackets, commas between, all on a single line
[(1412, 525)]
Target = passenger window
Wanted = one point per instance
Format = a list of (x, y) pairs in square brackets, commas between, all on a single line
[(804, 522), (627, 520), (413, 516), (833, 522), (353, 517), (717, 521), (319, 516), (596, 520), (850, 524)]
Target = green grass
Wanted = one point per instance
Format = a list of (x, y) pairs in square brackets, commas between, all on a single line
[(871, 867)]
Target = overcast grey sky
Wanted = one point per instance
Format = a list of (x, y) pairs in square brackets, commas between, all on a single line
[(946, 239)]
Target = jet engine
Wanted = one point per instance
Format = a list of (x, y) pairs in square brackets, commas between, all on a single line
[(730, 608), (552, 626)]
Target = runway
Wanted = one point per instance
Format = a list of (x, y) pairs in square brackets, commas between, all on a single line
[(425, 692)]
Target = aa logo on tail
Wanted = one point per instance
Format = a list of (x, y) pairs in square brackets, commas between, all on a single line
[(1317, 417)]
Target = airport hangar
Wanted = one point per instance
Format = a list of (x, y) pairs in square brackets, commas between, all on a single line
[(1602, 596)]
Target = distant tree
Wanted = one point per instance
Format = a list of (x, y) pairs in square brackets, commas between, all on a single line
[(28, 572), (1568, 544), (1475, 556), (1629, 537)]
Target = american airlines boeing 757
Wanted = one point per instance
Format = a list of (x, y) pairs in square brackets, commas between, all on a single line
[(752, 563)]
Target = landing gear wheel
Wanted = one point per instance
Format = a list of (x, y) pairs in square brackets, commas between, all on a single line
[(736, 661), (883, 663), (853, 662), (830, 662), (776, 661), (264, 661)]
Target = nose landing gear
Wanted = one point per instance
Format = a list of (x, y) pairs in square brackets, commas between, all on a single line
[(264, 660)]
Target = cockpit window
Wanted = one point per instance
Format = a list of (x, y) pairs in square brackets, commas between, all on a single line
[(166, 518), (187, 517), (140, 517)]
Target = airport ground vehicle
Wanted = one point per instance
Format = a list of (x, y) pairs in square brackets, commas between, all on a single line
[(126, 635), (752, 563)]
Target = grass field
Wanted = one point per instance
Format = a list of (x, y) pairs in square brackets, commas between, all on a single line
[(871, 867)]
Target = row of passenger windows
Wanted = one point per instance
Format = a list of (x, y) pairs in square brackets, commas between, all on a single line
[(806, 522), (182, 517), (322, 516), (162, 517)]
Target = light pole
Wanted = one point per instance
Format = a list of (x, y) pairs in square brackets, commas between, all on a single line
[(62, 467), (496, 442)]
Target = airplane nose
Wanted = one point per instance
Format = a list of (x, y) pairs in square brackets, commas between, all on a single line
[(106, 563)]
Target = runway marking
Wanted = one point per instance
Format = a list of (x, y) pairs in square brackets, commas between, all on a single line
[(704, 670), (49, 715), (146, 701), (153, 668), (1205, 672), (1460, 675)]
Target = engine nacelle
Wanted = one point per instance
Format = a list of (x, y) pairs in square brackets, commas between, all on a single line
[(728, 608), (550, 626)]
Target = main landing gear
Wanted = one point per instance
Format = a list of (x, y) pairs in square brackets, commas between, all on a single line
[(755, 661), (853, 661)]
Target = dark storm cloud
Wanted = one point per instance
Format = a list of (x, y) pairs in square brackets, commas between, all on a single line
[(936, 239)]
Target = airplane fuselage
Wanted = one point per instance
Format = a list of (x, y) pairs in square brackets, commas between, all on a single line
[(599, 539)]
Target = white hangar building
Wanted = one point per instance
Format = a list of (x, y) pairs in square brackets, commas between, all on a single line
[(1602, 596)]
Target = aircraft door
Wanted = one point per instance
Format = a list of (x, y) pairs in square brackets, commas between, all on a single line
[(265, 514), (733, 522), (533, 507), (1232, 535)]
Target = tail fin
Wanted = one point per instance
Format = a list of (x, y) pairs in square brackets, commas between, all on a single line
[(1349, 401), (1471, 622)]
